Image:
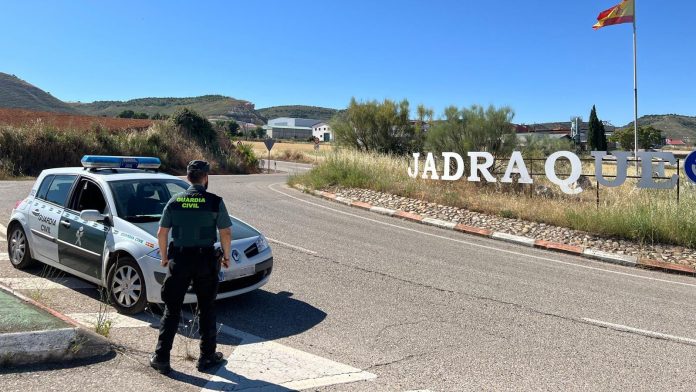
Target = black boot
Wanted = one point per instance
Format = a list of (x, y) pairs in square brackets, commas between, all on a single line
[(161, 366), (207, 362)]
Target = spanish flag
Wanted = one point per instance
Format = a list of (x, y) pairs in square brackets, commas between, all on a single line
[(623, 13)]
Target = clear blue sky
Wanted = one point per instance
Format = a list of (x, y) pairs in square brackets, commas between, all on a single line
[(539, 56)]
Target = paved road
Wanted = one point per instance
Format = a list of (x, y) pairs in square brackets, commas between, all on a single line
[(417, 307)]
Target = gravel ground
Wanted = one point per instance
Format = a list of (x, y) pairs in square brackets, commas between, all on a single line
[(667, 253)]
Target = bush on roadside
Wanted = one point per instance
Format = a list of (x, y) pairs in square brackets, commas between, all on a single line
[(26, 151)]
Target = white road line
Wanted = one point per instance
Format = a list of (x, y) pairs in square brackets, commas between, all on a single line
[(3, 230), (46, 284), (526, 257), (299, 248), (4, 256), (642, 332), (262, 365)]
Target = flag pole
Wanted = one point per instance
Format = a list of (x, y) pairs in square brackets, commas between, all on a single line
[(635, 89)]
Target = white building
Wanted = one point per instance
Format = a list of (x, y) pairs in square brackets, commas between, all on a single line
[(298, 128), (322, 131)]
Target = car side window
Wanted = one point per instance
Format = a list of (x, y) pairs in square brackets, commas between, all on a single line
[(43, 189), (60, 189), (88, 196)]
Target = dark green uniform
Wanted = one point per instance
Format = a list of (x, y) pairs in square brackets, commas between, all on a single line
[(194, 217)]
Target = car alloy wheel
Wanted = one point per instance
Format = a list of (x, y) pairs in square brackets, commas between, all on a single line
[(126, 286), (18, 247)]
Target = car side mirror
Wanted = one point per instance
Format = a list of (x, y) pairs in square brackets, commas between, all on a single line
[(92, 216)]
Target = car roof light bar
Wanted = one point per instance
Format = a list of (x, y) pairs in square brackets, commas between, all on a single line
[(114, 162)]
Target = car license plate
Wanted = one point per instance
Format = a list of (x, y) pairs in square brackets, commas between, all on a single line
[(241, 272)]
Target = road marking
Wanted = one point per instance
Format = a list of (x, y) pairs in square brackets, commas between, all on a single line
[(3, 230), (46, 284), (301, 249), (264, 365), (4, 256), (526, 257), (117, 320), (642, 332)]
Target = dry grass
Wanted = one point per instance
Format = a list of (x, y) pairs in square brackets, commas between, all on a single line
[(648, 216), (294, 152)]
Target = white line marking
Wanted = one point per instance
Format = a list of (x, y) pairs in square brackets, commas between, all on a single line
[(117, 320), (4, 256), (301, 249), (515, 239), (526, 257), (46, 284), (269, 366), (643, 332), (3, 230)]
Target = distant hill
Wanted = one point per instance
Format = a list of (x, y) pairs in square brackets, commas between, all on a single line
[(673, 126), (207, 105), (297, 111), (15, 93)]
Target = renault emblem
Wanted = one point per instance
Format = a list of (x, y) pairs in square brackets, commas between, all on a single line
[(235, 255)]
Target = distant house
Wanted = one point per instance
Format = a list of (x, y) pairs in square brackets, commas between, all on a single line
[(674, 142), (322, 131), (291, 128)]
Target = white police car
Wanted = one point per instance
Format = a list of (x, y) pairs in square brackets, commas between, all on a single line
[(99, 222)]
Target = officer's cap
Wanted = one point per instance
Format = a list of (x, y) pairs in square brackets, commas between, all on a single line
[(198, 166)]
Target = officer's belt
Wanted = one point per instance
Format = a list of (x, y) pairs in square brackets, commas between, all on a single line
[(194, 249)]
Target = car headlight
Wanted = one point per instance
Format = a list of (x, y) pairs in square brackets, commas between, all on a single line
[(155, 254), (261, 243)]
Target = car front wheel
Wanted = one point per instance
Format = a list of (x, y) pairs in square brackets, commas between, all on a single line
[(126, 286), (18, 248)]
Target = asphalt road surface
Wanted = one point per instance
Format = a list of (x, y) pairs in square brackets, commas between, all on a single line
[(396, 306)]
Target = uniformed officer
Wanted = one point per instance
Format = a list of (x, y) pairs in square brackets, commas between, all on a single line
[(194, 217)]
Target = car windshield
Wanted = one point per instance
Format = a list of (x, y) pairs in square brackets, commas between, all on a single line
[(143, 200)]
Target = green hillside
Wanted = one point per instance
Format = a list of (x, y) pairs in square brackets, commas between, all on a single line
[(207, 105), (15, 93), (297, 111), (672, 125)]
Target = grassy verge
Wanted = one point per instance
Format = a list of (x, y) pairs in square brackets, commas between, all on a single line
[(293, 152), (27, 150), (647, 216)]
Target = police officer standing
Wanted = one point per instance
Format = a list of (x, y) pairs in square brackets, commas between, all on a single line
[(193, 217)]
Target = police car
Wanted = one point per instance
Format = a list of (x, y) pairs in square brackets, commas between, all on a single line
[(99, 222)]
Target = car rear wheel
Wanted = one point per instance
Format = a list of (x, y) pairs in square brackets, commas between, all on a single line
[(18, 248), (126, 286)]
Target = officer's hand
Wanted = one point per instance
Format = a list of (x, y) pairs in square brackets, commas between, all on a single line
[(225, 262), (164, 262)]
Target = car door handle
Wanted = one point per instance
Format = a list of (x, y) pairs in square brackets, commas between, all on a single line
[(65, 223), (35, 212)]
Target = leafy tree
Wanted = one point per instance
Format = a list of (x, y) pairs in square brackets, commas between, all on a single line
[(373, 126), (260, 133), (648, 137), (127, 114), (142, 116), (474, 129), (596, 134), (232, 128), (196, 126)]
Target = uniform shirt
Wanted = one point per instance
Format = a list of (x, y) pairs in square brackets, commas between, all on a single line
[(221, 218)]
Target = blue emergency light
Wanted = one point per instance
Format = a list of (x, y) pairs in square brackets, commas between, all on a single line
[(103, 161)]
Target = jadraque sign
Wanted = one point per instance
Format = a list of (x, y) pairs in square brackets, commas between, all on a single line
[(481, 163)]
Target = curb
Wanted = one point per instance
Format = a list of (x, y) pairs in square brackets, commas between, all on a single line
[(33, 347), (595, 254)]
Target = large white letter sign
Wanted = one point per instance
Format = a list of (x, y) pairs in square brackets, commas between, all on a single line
[(414, 173), (575, 171), (447, 156), (430, 167), (621, 167), (646, 178), (516, 165), (477, 167)]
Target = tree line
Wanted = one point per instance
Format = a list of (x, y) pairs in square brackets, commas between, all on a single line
[(386, 127)]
